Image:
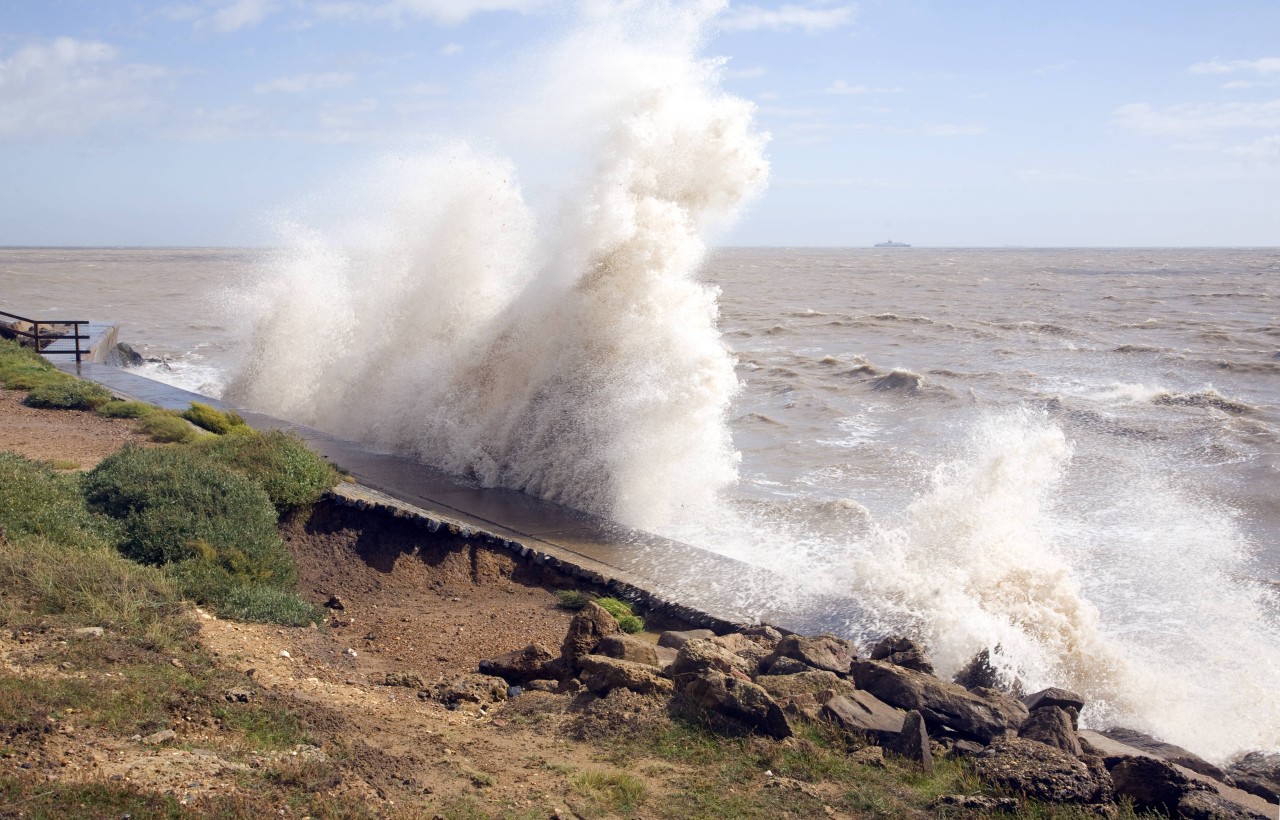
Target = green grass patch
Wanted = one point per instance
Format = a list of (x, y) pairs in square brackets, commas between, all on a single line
[(69, 394), (167, 428), (572, 599), (269, 605), (21, 368), (36, 501), (615, 607), (616, 792), (212, 419), (117, 409), (264, 730), (281, 462)]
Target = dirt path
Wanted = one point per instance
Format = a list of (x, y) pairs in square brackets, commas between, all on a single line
[(73, 438)]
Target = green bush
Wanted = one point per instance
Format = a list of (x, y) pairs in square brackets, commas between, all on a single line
[(616, 608), (175, 506), (631, 624), (572, 599), (269, 606), (165, 427), (21, 368), (70, 394), (292, 474), (37, 502), (126, 409), (212, 419)]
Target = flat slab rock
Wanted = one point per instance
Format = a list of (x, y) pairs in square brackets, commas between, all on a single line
[(985, 716), (1113, 751)]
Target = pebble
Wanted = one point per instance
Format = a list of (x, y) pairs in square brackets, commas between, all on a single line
[(284, 653), (349, 652)]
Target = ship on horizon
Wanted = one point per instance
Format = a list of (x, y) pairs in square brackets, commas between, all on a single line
[(892, 244)]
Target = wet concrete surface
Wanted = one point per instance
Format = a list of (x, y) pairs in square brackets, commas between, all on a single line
[(722, 587)]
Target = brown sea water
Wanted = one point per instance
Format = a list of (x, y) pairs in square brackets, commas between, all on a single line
[(1073, 454)]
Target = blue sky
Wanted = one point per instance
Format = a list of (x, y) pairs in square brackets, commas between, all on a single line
[(972, 124)]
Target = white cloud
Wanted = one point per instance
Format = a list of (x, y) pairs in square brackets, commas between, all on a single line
[(420, 90), (68, 86), (1265, 65), (952, 130), (1265, 150), (811, 17), (745, 73), (1190, 119), (302, 83), (447, 12), (841, 87), (239, 14), (451, 49)]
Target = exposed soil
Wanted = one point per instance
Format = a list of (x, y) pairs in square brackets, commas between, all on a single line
[(70, 437)]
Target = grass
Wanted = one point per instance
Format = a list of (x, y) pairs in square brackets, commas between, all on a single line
[(212, 419), (69, 394), (616, 792), (292, 475), (36, 501), (268, 605), (23, 369), (621, 611), (118, 409), (572, 599), (166, 428)]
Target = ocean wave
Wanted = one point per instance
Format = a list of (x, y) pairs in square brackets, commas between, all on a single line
[(1138, 349), (893, 317), (1208, 398)]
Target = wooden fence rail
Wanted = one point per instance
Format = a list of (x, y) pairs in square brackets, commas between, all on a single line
[(40, 341)]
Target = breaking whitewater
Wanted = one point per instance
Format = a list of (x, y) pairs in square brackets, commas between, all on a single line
[(1067, 458)]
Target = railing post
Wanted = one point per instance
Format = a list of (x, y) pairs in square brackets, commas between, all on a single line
[(75, 328), (35, 326)]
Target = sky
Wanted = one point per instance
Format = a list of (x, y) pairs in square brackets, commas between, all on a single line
[(1119, 123)]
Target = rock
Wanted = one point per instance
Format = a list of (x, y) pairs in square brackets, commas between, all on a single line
[(1152, 784), (762, 631), (700, 655), (162, 736), (867, 756), (975, 803), (128, 356), (752, 650), (335, 602), (237, 695), (785, 666), (542, 685), (675, 640), (791, 784), (1053, 696), (628, 648), (409, 680), (1038, 771), (585, 631), (1258, 773), (519, 665), (912, 742), (1165, 751), (964, 748), (863, 712), (1206, 805), (813, 685), (739, 700), (983, 715), (666, 657), (90, 632), (602, 674), (472, 688), (1052, 726), (349, 652), (823, 652), (978, 672), (902, 652)]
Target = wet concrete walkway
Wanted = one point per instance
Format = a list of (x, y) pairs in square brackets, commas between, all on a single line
[(685, 576)]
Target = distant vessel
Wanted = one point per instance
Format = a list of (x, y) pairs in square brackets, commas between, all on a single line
[(892, 244)]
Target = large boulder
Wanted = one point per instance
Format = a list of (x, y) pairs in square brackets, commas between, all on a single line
[(586, 629), (520, 665), (814, 686), (602, 674), (984, 715), (676, 639), (628, 648), (822, 652), (740, 701), (1052, 725), (902, 651), (1053, 696), (1152, 784), (863, 712), (912, 742), (472, 688), (1258, 773), (1167, 752), (752, 649), (1038, 771), (700, 655)]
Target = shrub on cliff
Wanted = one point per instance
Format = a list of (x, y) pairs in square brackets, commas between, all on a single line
[(175, 506), (167, 427), (38, 502), (117, 409), (281, 462), (70, 394)]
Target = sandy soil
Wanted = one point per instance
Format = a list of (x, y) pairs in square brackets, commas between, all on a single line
[(68, 436)]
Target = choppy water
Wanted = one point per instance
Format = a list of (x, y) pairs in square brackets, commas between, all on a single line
[(1072, 453)]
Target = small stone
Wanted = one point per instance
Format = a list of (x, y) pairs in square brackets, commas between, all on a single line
[(175, 663), (284, 653), (335, 602), (238, 695), (90, 631), (349, 652), (162, 736)]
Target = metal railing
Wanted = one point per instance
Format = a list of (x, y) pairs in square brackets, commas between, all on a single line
[(39, 340)]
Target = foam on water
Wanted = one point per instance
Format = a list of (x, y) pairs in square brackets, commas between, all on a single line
[(568, 349)]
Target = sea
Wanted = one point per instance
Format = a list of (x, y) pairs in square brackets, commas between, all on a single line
[(1068, 457)]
